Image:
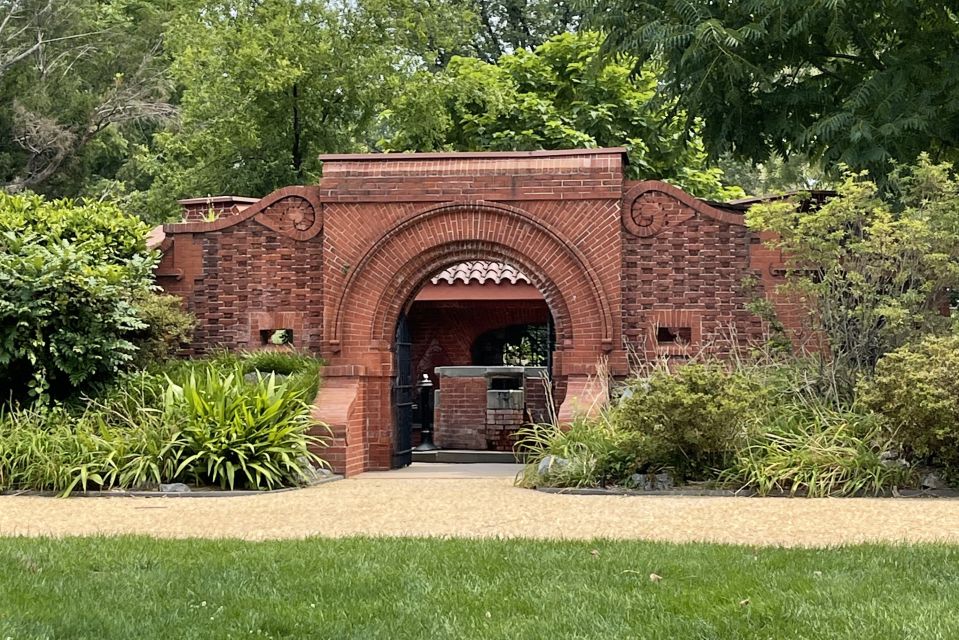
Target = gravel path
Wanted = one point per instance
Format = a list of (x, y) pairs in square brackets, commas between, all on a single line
[(482, 505)]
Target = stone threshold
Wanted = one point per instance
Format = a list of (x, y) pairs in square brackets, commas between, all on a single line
[(465, 456)]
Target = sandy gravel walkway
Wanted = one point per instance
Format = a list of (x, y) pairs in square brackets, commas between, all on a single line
[(485, 506)]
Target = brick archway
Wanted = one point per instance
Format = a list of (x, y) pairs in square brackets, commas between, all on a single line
[(385, 280), (337, 263)]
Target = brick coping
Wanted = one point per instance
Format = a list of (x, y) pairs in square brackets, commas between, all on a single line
[(470, 155)]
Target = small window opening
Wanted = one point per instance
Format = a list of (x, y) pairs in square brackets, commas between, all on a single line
[(674, 335), (276, 336), (504, 383)]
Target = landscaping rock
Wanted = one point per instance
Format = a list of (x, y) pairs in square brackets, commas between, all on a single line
[(176, 487), (550, 464), (313, 474), (651, 481), (932, 481)]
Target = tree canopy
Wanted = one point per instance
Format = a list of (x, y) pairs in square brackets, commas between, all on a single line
[(146, 101), (560, 95), (858, 82)]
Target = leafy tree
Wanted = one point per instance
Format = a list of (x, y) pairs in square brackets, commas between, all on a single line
[(505, 26), (775, 174), (267, 85), (878, 269), (69, 276), (558, 96), (859, 82), (79, 83)]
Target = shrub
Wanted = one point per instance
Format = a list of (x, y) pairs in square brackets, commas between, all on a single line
[(586, 454), (692, 419), (234, 431), (916, 388), (879, 264), (167, 329), (214, 428), (813, 448), (69, 275)]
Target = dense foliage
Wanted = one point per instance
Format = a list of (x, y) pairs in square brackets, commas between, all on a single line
[(561, 95), (82, 84), (146, 102), (802, 444), (859, 82), (916, 388), (768, 427), (877, 268), (69, 278), (211, 423), (168, 328), (690, 420)]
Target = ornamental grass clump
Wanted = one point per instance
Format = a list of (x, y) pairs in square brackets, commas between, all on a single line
[(587, 453), (235, 433), (212, 427), (808, 447)]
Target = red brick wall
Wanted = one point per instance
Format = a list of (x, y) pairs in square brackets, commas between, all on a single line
[(683, 268), (241, 277), (461, 414), (338, 263)]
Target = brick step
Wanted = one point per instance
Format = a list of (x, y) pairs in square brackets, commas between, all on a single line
[(464, 456)]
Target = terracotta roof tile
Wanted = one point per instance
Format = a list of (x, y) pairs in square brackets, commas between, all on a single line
[(481, 272)]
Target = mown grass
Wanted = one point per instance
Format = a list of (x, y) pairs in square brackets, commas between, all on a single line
[(134, 587)]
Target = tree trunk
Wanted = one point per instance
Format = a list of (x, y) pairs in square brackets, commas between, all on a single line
[(297, 151)]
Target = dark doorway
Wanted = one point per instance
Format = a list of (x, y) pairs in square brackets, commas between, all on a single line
[(402, 395)]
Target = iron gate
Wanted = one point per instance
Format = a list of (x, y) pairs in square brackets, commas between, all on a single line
[(402, 396)]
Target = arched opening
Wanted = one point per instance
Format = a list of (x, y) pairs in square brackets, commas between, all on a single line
[(484, 335), (370, 297)]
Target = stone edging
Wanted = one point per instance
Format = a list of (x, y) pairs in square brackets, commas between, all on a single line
[(729, 493), (198, 493)]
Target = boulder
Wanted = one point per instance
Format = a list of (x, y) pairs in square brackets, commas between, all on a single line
[(932, 481), (551, 464)]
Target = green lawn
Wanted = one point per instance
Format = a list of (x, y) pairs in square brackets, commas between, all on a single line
[(134, 587)]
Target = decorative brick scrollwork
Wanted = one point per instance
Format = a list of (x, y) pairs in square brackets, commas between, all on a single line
[(291, 213), (645, 219), (295, 212), (651, 206)]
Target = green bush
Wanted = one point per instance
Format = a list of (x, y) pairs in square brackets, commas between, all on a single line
[(257, 434), (69, 278), (101, 227), (213, 428), (813, 448), (587, 453), (691, 420), (168, 328), (916, 389)]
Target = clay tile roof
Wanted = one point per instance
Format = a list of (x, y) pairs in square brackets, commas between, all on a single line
[(481, 272)]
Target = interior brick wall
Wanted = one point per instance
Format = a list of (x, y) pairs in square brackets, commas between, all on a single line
[(444, 332), (461, 414)]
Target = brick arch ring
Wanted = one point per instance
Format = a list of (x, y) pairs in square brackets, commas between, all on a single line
[(428, 263), (432, 239)]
